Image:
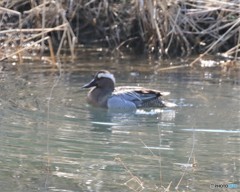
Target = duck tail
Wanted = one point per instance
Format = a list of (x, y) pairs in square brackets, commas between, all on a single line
[(169, 104)]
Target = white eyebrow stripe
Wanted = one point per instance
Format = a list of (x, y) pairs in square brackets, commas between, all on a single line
[(107, 75)]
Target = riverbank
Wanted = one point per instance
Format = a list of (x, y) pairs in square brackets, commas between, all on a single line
[(163, 29)]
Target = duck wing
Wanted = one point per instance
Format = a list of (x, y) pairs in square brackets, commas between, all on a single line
[(140, 96), (140, 90)]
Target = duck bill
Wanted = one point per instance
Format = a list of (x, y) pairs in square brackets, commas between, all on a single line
[(90, 84)]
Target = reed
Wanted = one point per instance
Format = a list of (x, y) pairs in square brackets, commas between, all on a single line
[(164, 28), (36, 32)]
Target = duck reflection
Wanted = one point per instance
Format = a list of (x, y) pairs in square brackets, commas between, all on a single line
[(106, 121)]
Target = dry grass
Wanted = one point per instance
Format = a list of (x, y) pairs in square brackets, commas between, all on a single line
[(165, 28), (25, 34)]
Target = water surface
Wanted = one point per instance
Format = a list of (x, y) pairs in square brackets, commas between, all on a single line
[(51, 140)]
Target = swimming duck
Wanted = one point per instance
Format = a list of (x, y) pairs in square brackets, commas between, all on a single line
[(104, 94)]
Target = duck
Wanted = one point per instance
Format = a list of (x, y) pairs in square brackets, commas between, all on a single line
[(104, 94)]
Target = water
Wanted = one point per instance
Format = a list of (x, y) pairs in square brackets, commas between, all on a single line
[(51, 140)]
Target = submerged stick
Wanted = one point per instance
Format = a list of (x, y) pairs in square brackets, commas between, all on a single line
[(173, 67)]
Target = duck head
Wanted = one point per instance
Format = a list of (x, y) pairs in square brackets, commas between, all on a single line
[(103, 79)]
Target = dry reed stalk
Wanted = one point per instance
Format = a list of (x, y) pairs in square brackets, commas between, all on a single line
[(51, 51), (61, 42), (15, 35), (30, 47), (236, 49), (43, 24), (138, 184), (72, 41), (179, 26), (216, 42), (46, 30), (70, 35), (166, 28), (38, 7)]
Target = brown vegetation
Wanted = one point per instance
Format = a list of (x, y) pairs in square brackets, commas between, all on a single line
[(164, 28)]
